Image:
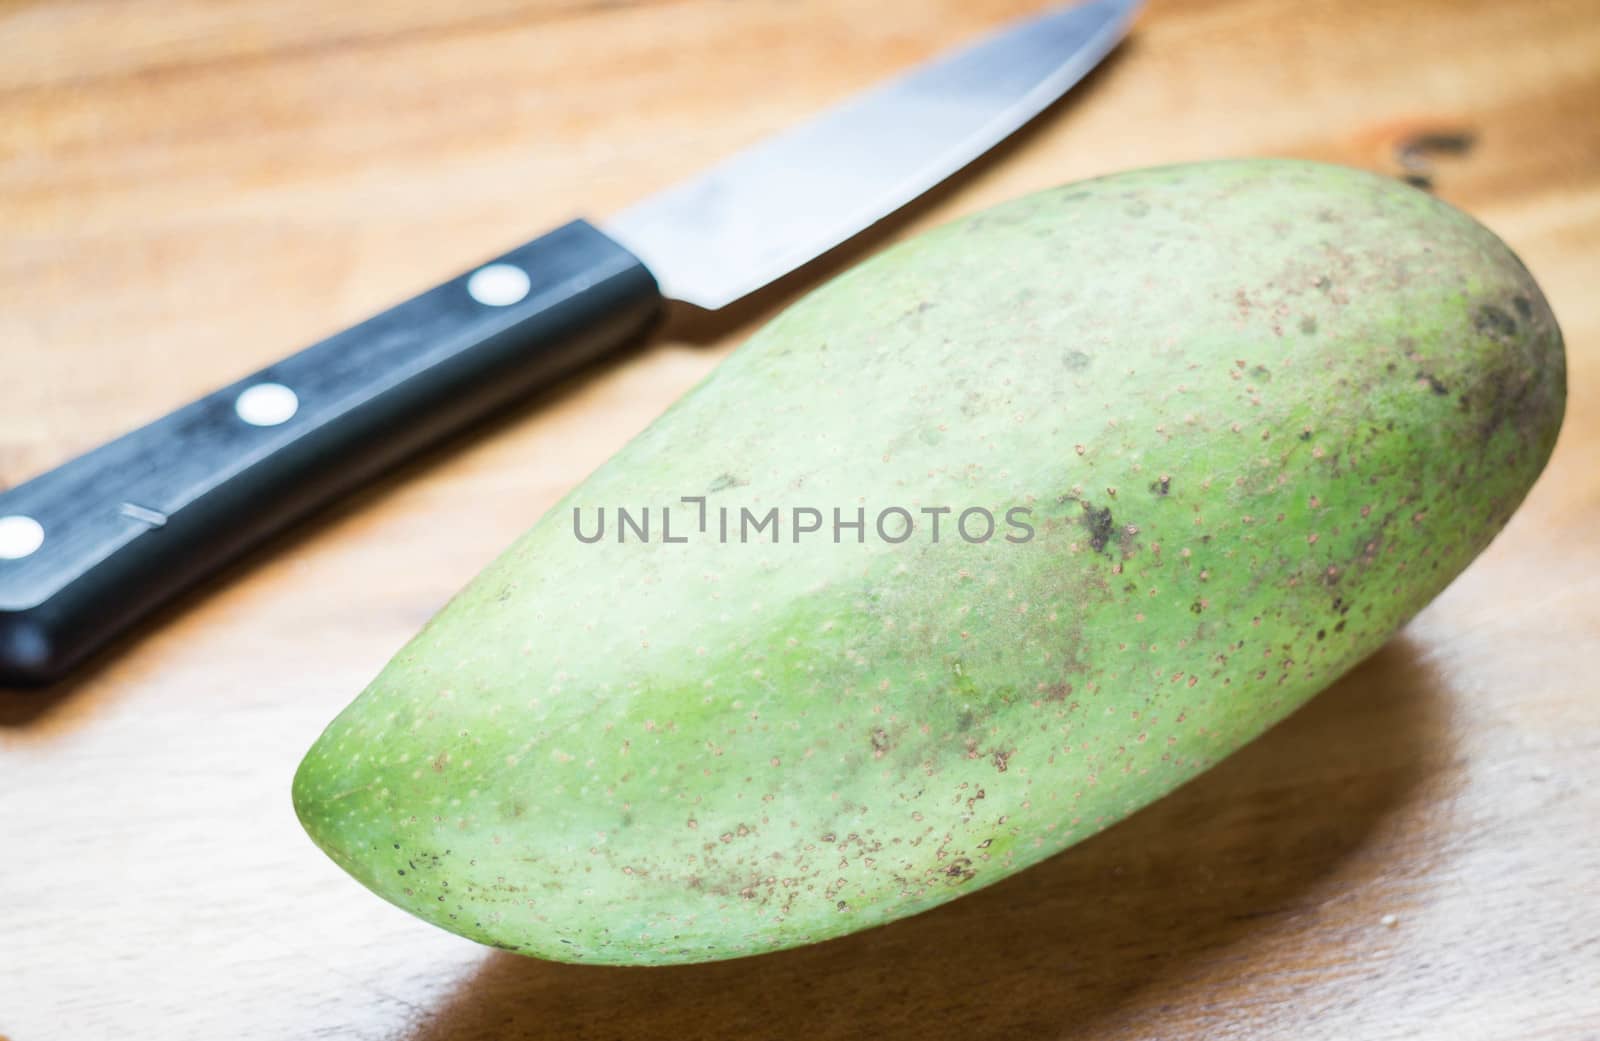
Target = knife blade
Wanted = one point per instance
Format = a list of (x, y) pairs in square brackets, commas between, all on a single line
[(90, 547)]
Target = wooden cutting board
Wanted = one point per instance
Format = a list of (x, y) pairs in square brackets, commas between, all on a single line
[(189, 189)]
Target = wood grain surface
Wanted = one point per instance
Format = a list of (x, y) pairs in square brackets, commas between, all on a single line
[(190, 188)]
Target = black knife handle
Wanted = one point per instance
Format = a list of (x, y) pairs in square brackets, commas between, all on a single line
[(90, 547)]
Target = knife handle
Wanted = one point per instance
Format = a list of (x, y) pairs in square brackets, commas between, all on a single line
[(89, 548)]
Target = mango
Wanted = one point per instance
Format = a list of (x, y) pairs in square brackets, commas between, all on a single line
[(1233, 423)]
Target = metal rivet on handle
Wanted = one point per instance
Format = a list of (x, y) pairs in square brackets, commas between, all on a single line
[(499, 285), (19, 537), (267, 404)]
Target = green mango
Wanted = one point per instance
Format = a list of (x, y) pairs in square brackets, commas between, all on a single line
[(1234, 424)]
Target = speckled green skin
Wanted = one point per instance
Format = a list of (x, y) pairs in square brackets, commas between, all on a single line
[(1307, 397)]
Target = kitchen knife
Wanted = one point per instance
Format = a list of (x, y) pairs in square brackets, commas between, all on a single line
[(90, 547)]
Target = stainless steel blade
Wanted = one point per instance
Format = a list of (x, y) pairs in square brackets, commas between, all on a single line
[(765, 211)]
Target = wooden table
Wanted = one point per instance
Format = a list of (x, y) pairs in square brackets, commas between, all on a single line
[(190, 188)]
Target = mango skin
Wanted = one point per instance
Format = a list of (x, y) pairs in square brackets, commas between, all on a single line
[(1263, 412)]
